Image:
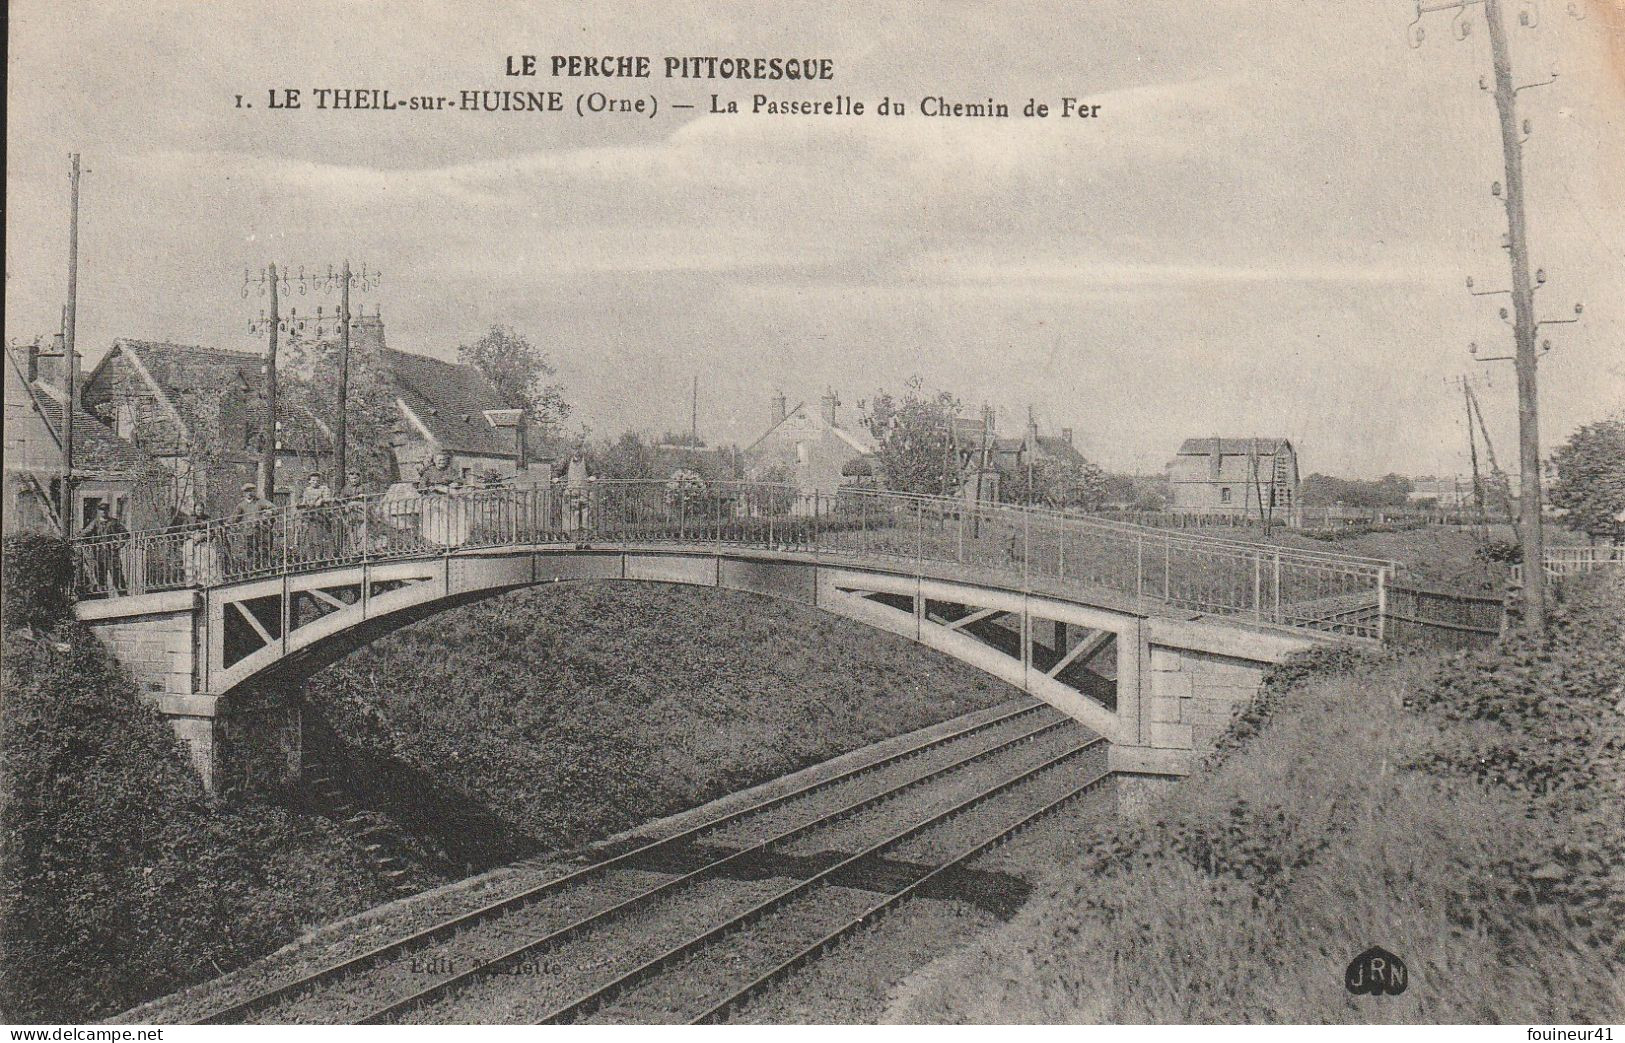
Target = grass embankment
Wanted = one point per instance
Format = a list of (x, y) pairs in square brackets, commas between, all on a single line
[(1462, 812), (567, 714), (536, 721), (119, 877)]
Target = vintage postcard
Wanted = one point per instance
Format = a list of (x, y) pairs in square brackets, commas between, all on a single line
[(962, 512)]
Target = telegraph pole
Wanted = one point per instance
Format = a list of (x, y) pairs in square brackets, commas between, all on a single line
[(339, 452), (1525, 326), (1530, 537), (71, 362), (268, 280), (268, 448)]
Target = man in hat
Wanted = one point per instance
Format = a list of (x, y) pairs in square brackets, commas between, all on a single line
[(108, 550), (252, 526)]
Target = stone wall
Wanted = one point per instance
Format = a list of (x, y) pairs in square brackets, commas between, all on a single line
[(159, 646), (1192, 696)]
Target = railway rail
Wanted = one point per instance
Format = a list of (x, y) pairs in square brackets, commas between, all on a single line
[(290, 996), (720, 884), (662, 984)]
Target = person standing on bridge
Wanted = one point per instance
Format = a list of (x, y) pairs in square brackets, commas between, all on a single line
[(251, 520), (436, 477), (315, 524), (108, 551), (353, 514), (202, 553)]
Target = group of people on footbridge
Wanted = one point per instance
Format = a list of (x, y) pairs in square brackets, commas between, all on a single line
[(257, 535)]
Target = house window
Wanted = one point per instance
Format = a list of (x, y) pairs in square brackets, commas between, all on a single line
[(1224, 494), (801, 453)]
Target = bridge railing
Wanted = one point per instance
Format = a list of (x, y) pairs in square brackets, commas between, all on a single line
[(1033, 548)]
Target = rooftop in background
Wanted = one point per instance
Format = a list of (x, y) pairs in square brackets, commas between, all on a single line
[(451, 400), (1231, 446), (182, 370)]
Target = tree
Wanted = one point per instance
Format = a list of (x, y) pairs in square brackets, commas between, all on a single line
[(521, 372), (1051, 482), (310, 384), (915, 432), (1590, 482), (1323, 490)]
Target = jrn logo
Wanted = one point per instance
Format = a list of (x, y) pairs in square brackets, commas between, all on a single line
[(1376, 971)]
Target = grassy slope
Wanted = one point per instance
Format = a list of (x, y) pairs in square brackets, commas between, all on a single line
[(119, 878), (1462, 813), (569, 713)]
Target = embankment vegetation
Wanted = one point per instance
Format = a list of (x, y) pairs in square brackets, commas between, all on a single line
[(1463, 812), (568, 714)]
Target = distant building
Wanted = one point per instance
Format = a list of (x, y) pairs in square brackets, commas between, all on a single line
[(1450, 491), (106, 468), (1241, 476), (810, 450), (200, 412), (453, 408)]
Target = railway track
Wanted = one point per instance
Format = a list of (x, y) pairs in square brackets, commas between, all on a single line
[(697, 980), (721, 887), (624, 882)]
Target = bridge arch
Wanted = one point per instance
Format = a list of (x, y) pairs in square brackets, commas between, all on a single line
[(225, 663)]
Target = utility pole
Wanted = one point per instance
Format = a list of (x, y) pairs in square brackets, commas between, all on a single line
[(340, 468), (1530, 536), (1472, 454), (268, 280), (269, 437), (1525, 327), (694, 416), (71, 362)]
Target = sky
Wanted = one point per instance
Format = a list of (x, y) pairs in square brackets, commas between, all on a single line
[(1265, 231)]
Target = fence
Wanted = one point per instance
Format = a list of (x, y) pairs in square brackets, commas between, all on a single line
[(1034, 548), (1571, 561), (1426, 618)]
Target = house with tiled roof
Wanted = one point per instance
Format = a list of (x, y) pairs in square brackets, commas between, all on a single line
[(807, 449), (453, 408), (1251, 477), (106, 468), (200, 412)]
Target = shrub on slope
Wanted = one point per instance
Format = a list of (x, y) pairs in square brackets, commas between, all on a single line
[(119, 878), (1462, 813)]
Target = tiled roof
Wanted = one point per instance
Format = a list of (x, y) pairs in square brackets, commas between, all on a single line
[(1232, 446), (1060, 449), (450, 399), (96, 449), (180, 368)]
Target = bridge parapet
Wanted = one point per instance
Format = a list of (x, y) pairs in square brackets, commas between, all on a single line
[(1153, 658), (1304, 590)]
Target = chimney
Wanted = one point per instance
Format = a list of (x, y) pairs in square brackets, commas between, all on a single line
[(778, 408), (366, 335), (1066, 435), (49, 367), (829, 403)]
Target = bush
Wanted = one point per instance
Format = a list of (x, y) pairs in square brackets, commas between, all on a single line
[(119, 878), (38, 570)]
